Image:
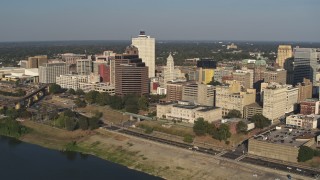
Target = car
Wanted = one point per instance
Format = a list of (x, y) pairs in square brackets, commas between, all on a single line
[(298, 169), (196, 147), (289, 167), (289, 176)]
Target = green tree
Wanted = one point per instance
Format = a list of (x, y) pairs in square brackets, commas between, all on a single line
[(91, 97), (305, 154), (199, 127), (214, 83), (260, 121), (70, 123), (103, 99), (80, 103), (93, 122), (79, 92), (53, 115), (83, 123), (72, 91), (60, 121), (210, 128), (241, 127), (131, 104), (98, 114), (116, 102), (3, 110), (69, 113), (55, 89), (10, 127), (12, 113), (23, 113), (21, 92), (143, 103), (222, 133), (234, 114)]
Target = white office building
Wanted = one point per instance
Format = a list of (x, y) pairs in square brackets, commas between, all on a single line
[(49, 71), (84, 66), (146, 47)]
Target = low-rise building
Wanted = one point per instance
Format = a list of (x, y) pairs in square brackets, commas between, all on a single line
[(174, 91), (70, 81), (309, 106), (252, 109), (244, 77), (49, 71), (281, 143), (303, 121), (199, 93), (100, 87), (232, 96), (278, 100), (276, 76), (305, 90), (188, 112)]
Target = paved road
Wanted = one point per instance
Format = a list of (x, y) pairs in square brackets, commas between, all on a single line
[(273, 165)]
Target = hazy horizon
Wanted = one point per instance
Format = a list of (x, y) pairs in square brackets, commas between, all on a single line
[(179, 20)]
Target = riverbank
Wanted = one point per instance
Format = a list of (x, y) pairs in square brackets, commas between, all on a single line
[(153, 158)]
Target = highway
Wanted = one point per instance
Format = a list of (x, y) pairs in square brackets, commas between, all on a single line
[(287, 168), (232, 155)]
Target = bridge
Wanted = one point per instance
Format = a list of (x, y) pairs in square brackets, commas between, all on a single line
[(30, 98), (137, 116)]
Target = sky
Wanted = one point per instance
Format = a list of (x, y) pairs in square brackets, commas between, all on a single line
[(247, 20)]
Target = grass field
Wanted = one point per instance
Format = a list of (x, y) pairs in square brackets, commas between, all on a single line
[(109, 115)]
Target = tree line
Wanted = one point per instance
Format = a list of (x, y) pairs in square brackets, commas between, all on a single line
[(306, 153), (10, 127), (202, 127), (70, 121)]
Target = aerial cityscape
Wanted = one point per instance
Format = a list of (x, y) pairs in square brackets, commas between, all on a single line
[(161, 90)]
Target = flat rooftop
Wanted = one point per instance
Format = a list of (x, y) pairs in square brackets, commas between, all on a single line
[(295, 138)]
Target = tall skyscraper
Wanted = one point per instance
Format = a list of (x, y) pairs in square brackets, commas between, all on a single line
[(131, 75), (146, 47), (305, 64), (284, 52)]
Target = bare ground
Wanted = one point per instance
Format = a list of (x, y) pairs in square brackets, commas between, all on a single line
[(157, 159)]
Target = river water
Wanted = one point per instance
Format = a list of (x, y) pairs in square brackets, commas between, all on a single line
[(19, 160)]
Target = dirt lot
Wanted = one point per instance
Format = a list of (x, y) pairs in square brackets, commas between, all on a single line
[(157, 159)]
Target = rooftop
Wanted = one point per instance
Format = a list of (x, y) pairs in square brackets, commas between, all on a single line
[(254, 105), (288, 136), (311, 100), (301, 116)]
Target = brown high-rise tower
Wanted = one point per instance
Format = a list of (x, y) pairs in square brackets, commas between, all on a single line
[(131, 74)]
